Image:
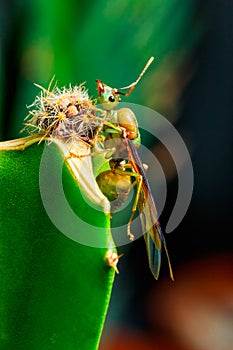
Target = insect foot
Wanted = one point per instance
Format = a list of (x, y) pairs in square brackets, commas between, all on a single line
[(130, 234)]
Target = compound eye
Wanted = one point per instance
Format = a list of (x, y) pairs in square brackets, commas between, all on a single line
[(111, 98)]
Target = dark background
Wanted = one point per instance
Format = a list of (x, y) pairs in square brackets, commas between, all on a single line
[(190, 83)]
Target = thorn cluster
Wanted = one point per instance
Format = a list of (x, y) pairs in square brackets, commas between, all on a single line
[(65, 113)]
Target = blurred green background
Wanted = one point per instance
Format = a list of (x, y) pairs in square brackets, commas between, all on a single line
[(78, 41), (190, 82)]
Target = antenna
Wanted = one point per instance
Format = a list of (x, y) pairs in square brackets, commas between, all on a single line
[(132, 86)]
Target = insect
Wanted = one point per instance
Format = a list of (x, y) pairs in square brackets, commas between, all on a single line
[(122, 133)]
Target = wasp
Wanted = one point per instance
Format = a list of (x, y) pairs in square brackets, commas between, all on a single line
[(127, 169)]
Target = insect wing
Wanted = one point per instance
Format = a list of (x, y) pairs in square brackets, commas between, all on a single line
[(153, 252), (154, 237)]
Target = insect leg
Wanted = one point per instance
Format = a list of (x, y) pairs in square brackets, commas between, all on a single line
[(139, 186), (138, 182)]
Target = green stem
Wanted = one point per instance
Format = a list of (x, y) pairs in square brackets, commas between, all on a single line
[(54, 291)]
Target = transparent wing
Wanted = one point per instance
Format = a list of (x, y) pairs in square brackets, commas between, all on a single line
[(153, 235), (153, 249)]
